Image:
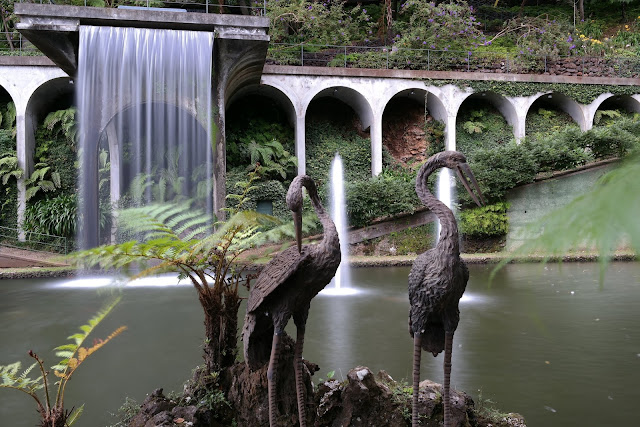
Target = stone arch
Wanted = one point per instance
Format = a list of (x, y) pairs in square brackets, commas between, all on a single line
[(502, 104), (109, 134), (611, 102), (278, 100), (497, 103), (360, 105), (57, 92), (411, 101), (563, 103), (350, 97)]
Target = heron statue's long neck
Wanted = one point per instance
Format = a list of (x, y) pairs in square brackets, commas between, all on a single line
[(448, 239), (330, 238)]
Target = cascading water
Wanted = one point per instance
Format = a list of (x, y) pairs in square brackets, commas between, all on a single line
[(145, 94), (341, 281)]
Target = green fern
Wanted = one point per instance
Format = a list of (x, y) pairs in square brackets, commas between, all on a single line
[(63, 121), (44, 179), (609, 114), (9, 168), (180, 238)]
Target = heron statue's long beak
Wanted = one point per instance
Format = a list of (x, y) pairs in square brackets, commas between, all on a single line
[(465, 175), (297, 222)]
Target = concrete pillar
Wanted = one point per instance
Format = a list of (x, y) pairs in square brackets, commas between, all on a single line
[(450, 133), (25, 146), (300, 136), (375, 132), (114, 176), (219, 156), (520, 127)]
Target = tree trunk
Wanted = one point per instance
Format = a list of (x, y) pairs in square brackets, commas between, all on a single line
[(521, 8), (6, 28), (581, 10), (221, 329)]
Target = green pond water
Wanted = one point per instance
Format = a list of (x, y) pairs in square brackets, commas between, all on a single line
[(545, 341)]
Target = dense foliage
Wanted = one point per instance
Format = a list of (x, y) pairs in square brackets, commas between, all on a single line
[(325, 139), (486, 221), (376, 197), (331, 23)]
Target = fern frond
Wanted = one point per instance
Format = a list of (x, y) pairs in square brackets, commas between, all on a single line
[(70, 350), (11, 378)]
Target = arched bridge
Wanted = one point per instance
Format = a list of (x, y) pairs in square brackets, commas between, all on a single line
[(35, 84)]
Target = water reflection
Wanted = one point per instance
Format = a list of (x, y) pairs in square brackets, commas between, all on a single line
[(548, 342)]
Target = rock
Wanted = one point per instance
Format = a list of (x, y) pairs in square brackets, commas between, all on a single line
[(247, 391), (363, 399), (153, 405)]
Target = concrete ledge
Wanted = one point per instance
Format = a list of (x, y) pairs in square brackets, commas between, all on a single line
[(141, 18), (28, 61), (441, 75)]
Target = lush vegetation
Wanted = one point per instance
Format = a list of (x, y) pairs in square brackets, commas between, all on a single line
[(456, 34)]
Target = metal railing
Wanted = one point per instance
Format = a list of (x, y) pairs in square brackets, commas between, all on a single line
[(202, 6), (12, 43), (384, 57), (11, 237)]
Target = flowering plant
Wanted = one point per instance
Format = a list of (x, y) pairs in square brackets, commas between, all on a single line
[(445, 26), (315, 22)]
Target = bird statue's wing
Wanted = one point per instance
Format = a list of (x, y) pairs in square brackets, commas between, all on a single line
[(275, 274)]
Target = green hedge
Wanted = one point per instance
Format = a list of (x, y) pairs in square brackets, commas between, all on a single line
[(324, 140), (377, 197), (487, 221)]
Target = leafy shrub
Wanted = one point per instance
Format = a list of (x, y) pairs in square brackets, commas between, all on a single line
[(55, 216), (499, 169), (540, 35), (8, 188), (615, 139), (445, 26), (561, 150), (316, 22), (378, 197), (486, 221), (273, 190), (324, 140), (481, 126), (259, 132), (413, 240)]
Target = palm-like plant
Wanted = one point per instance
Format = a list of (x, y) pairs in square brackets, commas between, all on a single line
[(63, 121), (43, 178), (9, 168), (272, 158), (175, 237)]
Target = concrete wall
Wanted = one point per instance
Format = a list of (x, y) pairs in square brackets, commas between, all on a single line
[(533, 201)]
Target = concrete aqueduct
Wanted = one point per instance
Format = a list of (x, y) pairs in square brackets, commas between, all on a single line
[(37, 85)]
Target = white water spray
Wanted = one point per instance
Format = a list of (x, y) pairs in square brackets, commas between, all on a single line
[(341, 281), (444, 192)]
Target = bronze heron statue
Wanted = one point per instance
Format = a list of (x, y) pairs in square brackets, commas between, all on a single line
[(284, 289), (438, 278)]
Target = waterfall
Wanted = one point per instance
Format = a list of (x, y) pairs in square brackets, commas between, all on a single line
[(144, 96)]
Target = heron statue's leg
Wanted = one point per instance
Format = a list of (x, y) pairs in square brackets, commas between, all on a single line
[(297, 366), (272, 375), (446, 397), (417, 353)]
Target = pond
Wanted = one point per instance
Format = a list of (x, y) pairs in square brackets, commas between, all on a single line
[(545, 341)]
